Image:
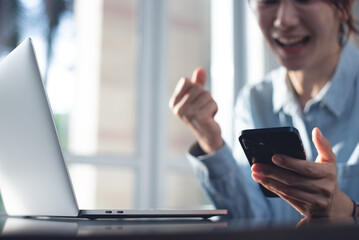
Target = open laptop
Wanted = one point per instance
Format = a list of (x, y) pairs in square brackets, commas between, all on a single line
[(34, 180)]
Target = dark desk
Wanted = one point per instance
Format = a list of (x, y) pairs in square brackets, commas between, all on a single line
[(25, 228)]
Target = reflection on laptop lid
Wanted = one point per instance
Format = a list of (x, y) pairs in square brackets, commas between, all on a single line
[(33, 176)]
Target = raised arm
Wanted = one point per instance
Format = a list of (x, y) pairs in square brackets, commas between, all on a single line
[(196, 108)]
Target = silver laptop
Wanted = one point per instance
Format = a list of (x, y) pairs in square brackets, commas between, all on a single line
[(34, 180)]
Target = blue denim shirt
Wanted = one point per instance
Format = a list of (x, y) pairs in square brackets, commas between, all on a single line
[(226, 175)]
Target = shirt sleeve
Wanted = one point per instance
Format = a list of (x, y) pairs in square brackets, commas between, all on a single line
[(226, 185), (226, 176)]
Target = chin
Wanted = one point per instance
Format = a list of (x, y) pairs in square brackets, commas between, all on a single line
[(292, 65)]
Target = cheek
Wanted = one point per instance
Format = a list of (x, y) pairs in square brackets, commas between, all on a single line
[(265, 25), (263, 20), (324, 22), (326, 32)]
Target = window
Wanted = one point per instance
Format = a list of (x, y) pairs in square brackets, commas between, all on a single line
[(114, 65), (113, 68), (189, 47)]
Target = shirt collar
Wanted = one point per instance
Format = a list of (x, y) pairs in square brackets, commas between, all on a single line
[(334, 95), (342, 80)]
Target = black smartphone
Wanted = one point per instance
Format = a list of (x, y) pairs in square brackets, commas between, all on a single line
[(261, 144)]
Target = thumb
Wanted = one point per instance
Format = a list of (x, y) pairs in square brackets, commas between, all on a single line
[(199, 76), (322, 144)]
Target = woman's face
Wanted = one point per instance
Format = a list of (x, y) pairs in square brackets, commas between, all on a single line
[(301, 33)]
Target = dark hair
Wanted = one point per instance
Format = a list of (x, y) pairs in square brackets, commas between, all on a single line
[(350, 25)]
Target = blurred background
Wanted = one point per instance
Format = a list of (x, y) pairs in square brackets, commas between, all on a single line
[(110, 66)]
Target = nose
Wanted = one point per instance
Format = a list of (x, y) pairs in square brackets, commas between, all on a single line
[(287, 15)]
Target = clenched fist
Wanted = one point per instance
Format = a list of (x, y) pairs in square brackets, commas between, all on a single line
[(196, 108)]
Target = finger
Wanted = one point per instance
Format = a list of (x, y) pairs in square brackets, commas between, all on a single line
[(313, 200), (302, 167), (286, 177), (303, 222), (182, 87), (198, 107), (202, 101), (209, 110), (322, 144), (186, 108), (204, 116), (199, 76), (299, 205), (185, 99)]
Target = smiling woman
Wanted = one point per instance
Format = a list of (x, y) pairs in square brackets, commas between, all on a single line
[(318, 67)]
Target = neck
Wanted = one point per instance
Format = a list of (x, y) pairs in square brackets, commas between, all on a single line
[(308, 83)]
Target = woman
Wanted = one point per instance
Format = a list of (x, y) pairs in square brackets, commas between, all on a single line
[(317, 87)]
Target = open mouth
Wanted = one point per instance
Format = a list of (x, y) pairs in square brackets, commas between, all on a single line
[(292, 42)]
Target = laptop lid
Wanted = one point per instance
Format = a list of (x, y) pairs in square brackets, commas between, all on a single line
[(33, 177), (34, 180)]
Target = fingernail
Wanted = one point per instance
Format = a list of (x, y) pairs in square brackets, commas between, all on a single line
[(257, 168), (277, 159)]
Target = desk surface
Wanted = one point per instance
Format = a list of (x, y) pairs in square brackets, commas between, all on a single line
[(25, 228)]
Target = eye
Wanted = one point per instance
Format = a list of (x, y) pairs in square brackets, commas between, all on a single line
[(303, 1), (267, 2)]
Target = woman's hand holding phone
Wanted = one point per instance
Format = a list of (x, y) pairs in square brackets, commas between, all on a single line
[(310, 187), (196, 108)]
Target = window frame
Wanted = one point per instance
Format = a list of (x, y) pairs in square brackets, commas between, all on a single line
[(152, 94)]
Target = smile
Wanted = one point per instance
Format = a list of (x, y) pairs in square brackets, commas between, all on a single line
[(293, 41)]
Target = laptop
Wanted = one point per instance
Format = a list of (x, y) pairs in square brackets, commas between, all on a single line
[(34, 180)]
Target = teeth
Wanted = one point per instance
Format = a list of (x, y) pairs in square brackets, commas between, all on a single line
[(290, 41)]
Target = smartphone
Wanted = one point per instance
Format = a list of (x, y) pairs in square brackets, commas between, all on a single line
[(261, 144)]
